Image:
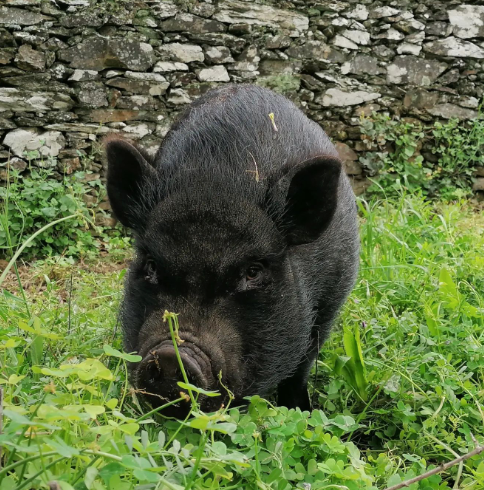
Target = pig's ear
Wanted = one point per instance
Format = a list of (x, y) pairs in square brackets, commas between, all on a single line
[(311, 199), (128, 182)]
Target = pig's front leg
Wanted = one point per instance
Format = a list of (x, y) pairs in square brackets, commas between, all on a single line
[(293, 391)]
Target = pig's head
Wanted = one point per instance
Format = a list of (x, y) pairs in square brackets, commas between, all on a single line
[(217, 251)]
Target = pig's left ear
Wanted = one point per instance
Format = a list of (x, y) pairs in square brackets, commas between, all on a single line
[(311, 199), (129, 181)]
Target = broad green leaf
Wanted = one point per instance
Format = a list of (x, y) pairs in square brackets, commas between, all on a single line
[(62, 448), (93, 410), (195, 389), (130, 429), (36, 350), (133, 462), (91, 474), (110, 470), (111, 351), (8, 483), (352, 366), (22, 420), (9, 344), (57, 373), (161, 439), (144, 475), (448, 290), (12, 380), (88, 370), (111, 404), (431, 314)]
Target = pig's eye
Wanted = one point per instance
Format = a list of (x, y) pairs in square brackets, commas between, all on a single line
[(253, 277), (254, 273), (150, 271)]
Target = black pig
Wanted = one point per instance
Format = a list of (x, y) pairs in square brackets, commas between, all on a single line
[(246, 226)]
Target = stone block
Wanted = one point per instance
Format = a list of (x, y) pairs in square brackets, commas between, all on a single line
[(29, 59), (390, 34), (21, 17), (467, 21), (137, 103), (168, 66), (411, 70), (14, 163), (34, 142), (164, 9), (236, 12), (87, 129), (409, 26), (316, 51), (218, 55), (142, 87), (363, 64), (454, 48), (185, 53), (420, 99), (38, 82), (192, 23), (99, 53), (439, 29), (357, 36), (214, 74), (26, 101), (360, 12), (359, 186), (478, 184), (179, 96), (349, 158), (381, 12), (408, 48), (6, 123), (84, 76), (344, 42), (69, 165), (450, 111), (138, 131), (7, 55), (278, 41), (335, 97)]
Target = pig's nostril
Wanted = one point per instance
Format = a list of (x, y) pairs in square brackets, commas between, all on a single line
[(166, 362)]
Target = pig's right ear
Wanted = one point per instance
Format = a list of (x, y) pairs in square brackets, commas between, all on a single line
[(311, 190), (129, 177)]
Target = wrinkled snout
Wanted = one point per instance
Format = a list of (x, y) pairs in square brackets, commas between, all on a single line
[(159, 373)]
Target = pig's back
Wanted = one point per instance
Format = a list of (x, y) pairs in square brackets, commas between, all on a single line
[(230, 128)]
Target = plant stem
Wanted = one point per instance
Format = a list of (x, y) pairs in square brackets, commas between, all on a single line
[(32, 478), (439, 469), (30, 239), (159, 408), (203, 441), (23, 461), (171, 317)]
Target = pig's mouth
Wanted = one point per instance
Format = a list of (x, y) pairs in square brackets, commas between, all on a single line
[(156, 378)]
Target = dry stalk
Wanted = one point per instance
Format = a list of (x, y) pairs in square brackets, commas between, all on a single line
[(439, 469)]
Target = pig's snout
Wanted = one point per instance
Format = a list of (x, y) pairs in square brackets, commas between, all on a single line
[(169, 370), (159, 373)]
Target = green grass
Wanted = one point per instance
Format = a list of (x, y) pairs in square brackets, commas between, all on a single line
[(400, 383)]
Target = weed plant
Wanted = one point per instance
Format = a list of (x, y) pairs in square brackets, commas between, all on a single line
[(29, 202), (398, 387), (396, 161)]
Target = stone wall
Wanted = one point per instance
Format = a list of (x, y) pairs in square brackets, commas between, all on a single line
[(74, 70)]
